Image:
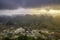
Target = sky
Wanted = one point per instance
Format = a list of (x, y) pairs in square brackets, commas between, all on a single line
[(9, 7)]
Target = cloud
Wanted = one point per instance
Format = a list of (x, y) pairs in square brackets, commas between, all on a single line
[(14, 4), (8, 4), (14, 12)]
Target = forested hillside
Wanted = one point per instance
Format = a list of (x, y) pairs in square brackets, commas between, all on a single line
[(33, 21)]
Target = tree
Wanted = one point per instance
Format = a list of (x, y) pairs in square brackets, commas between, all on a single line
[(39, 38), (10, 22), (7, 38)]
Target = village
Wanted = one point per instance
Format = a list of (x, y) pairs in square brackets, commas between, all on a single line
[(43, 34)]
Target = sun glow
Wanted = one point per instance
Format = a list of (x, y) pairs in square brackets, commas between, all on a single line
[(43, 11)]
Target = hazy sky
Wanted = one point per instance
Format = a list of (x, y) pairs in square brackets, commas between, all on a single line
[(8, 7)]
